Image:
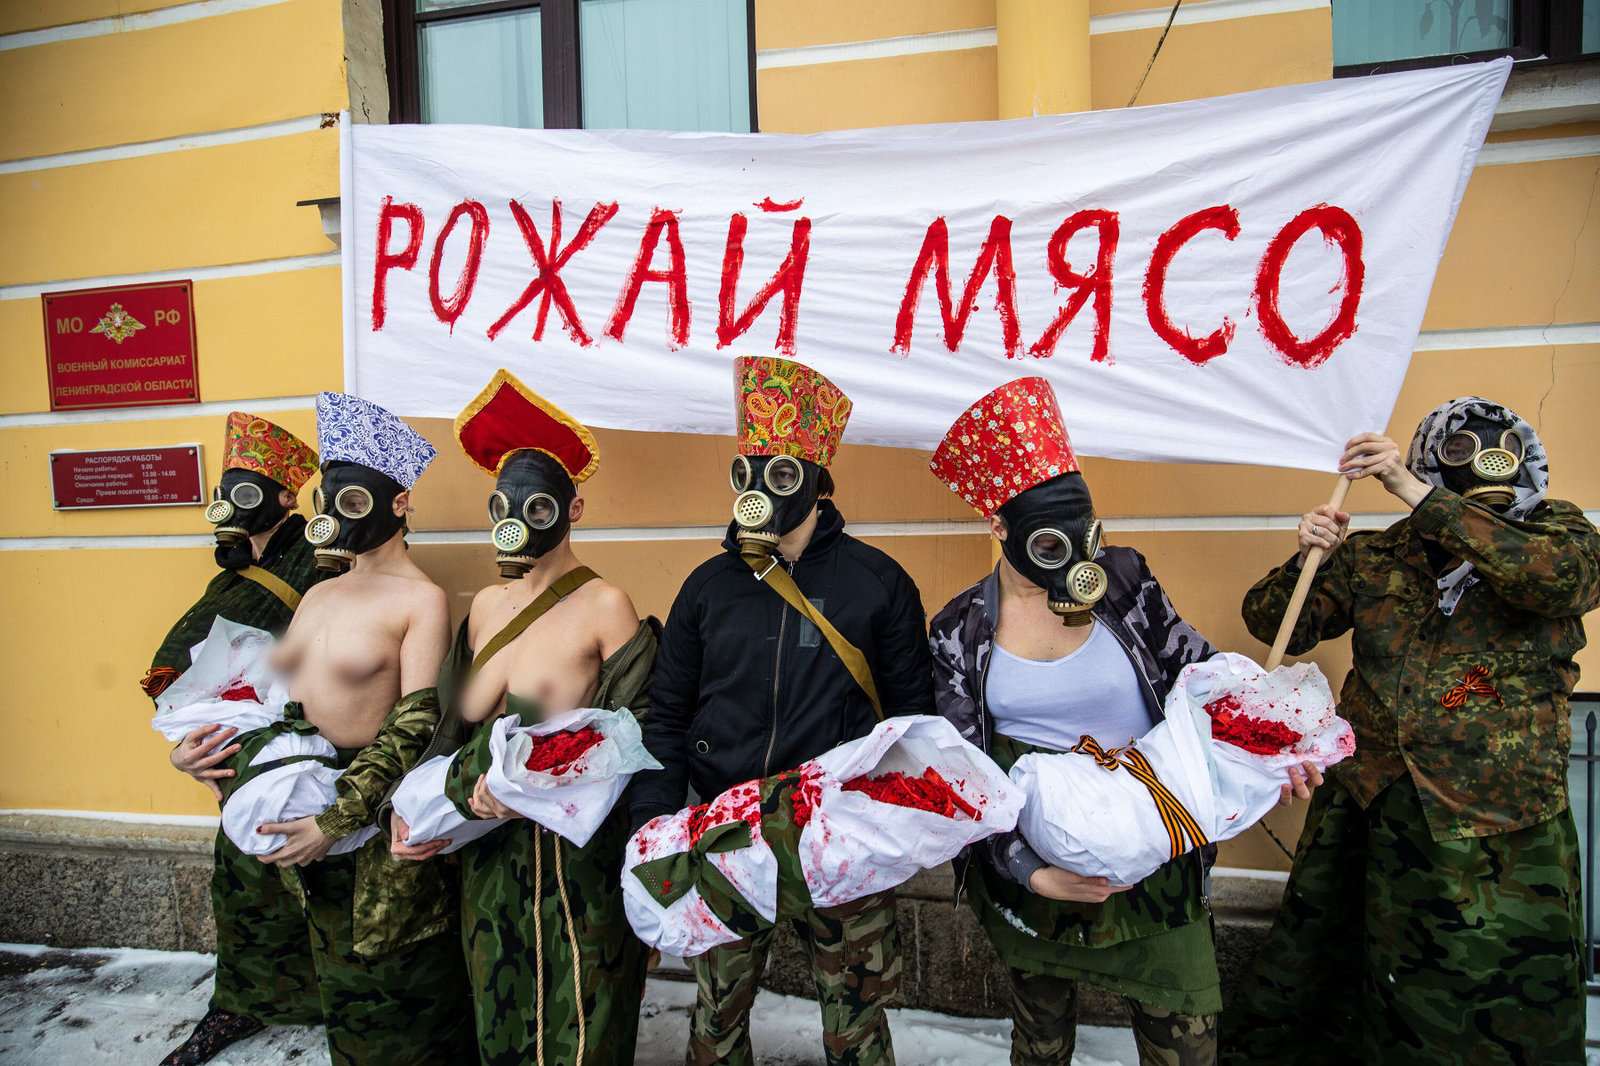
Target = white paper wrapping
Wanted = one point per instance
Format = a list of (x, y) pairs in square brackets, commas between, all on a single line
[(232, 656), (429, 815), (299, 789)]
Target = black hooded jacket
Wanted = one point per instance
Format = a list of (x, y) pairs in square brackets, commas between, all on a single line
[(745, 687)]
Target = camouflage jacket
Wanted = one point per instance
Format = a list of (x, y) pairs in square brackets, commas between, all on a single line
[(1159, 643), (397, 901), (237, 598), (1472, 705)]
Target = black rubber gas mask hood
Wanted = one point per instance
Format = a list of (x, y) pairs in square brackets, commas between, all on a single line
[(355, 513), (776, 493), (531, 508), (1052, 538)]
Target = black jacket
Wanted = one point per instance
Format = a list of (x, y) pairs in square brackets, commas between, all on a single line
[(745, 687)]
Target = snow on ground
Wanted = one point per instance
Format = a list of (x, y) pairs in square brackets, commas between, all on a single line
[(127, 1007)]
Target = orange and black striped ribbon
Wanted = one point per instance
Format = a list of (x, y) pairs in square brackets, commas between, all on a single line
[(1179, 823), (1475, 683)]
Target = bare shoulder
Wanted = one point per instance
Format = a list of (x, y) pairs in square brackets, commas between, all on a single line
[(609, 602)]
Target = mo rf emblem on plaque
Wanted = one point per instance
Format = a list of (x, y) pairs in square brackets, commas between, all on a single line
[(117, 324)]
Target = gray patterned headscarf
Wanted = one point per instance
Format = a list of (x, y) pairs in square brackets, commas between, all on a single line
[(1530, 484)]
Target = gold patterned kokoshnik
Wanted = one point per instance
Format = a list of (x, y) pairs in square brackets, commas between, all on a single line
[(786, 408), (266, 448)]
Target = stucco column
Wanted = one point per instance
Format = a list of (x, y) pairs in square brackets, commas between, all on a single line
[(1043, 56)]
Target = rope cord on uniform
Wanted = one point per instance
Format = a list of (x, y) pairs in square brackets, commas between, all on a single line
[(538, 947), (572, 941)]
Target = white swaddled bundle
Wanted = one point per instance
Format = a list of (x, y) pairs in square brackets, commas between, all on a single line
[(859, 819), (1217, 763), (228, 683), (303, 785)]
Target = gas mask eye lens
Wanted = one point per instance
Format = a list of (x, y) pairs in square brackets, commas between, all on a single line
[(216, 493), (1049, 549), (499, 506), (1458, 448), (740, 474), (353, 501), (1511, 441), (541, 511), (783, 475), (1091, 541), (246, 495), (318, 498)]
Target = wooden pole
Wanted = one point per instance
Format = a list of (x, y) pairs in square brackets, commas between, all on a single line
[(1303, 587)]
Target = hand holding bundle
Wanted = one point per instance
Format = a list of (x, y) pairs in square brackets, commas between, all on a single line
[(286, 771)]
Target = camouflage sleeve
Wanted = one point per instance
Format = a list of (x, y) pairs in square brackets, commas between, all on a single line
[(1549, 563), (1327, 611), (466, 766), (395, 750)]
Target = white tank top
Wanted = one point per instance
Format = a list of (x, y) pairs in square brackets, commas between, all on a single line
[(1053, 703)]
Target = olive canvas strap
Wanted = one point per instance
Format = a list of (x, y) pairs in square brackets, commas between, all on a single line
[(777, 578), (273, 584), (560, 589)]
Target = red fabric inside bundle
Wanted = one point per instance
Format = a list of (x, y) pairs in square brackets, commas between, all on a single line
[(555, 753), (930, 792), (1258, 736), (241, 693)]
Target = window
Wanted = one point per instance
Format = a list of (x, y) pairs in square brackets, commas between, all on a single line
[(640, 64), (1371, 36)]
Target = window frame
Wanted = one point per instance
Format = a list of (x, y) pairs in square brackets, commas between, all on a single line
[(560, 59), (1543, 33)]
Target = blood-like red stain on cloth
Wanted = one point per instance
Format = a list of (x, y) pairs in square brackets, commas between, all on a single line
[(1258, 736), (930, 792), (556, 753), (241, 693)]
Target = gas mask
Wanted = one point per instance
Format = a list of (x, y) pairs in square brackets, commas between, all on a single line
[(355, 513), (1052, 538), (1480, 460), (531, 509), (244, 504), (776, 494)]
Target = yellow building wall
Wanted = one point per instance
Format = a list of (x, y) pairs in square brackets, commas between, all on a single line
[(214, 198)]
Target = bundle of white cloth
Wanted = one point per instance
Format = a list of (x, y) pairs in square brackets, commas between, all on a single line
[(572, 802), (849, 844), (1094, 814), (305, 784), (228, 683)]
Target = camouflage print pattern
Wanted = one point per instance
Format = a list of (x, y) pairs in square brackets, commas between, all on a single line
[(1044, 1026), (1487, 753), (854, 951), (406, 1008), (540, 915), (264, 967), (1392, 947)]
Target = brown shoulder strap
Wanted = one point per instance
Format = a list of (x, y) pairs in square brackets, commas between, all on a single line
[(273, 584), (560, 589), (778, 579)]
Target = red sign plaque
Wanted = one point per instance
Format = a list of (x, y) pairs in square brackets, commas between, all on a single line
[(125, 346), (128, 477)]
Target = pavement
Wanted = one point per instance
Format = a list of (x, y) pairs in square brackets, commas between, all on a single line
[(127, 1007)]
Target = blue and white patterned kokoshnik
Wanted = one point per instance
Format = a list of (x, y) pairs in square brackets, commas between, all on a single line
[(1529, 486), (353, 430)]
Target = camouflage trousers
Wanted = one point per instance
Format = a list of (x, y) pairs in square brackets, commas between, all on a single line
[(407, 1008), (1392, 947), (1044, 1026), (557, 974), (264, 968), (854, 952)]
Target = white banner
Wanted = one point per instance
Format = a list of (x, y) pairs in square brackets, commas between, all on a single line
[(1229, 280)]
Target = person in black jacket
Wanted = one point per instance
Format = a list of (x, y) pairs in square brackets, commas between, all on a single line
[(747, 687)]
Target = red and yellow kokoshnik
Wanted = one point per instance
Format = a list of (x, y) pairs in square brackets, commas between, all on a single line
[(508, 417), (786, 408), (266, 448), (1005, 444)]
